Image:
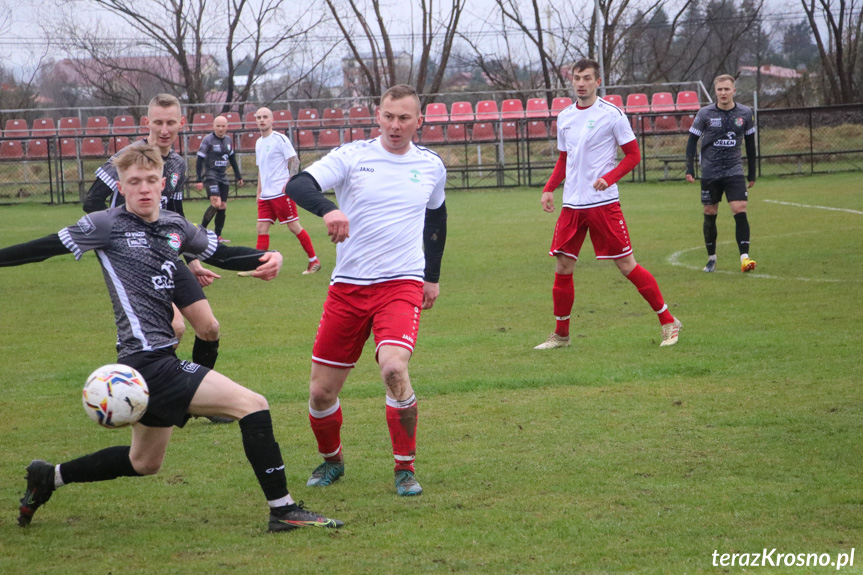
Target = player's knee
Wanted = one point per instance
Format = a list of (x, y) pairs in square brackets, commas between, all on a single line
[(257, 402), (394, 373), (209, 330), (146, 466), (321, 397)]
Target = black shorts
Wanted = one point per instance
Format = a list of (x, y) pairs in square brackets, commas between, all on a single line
[(734, 188), (172, 383), (187, 290), (216, 188)]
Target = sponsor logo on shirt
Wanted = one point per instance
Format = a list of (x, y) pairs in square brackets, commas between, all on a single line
[(137, 242), (217, 148), (414, 175), (174, 241), (166, 281), (715, 122), (86, 225), (729, 141)]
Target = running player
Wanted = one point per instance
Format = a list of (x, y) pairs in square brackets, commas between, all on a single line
[(391, 195), (721, 126), (588, 135), (139, 248), (214, 154), (277, 162)]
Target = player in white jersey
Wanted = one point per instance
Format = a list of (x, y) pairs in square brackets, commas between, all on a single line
[(588, 134), (390, 228), (277, 162)]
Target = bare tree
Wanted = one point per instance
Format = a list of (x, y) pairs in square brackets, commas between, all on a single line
[(840, 49)]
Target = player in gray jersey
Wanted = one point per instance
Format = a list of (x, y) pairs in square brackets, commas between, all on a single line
[(721, 127), (139, 247), (211, 167)]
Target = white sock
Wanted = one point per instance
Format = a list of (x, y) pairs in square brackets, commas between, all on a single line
[(743, 256), (711, 258), (286, 500), (58, 479)]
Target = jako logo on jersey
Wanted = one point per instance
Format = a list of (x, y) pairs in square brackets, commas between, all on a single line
[(174, 241), (365, 169), (591, 125), (415, 175), (175, 177), (730, 141), (409, 338), (86, 226)]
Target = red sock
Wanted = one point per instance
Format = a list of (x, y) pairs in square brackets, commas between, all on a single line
[(649, 290), (563, 295), (263, 242), (306, 242), (402, 421), (327, 425)]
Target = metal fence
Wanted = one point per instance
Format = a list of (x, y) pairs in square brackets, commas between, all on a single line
[(493, 154)]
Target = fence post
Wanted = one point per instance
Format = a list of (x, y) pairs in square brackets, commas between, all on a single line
[(811, 146)]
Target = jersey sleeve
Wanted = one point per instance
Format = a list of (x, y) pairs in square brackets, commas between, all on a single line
[(698, 126), (749, 124), (623, 130), (204, 148), (438, 195), (288, 149), (332, 169), (199, 242), (91, 232)]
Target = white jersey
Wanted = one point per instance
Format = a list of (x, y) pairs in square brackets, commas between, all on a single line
[(590, 137), (271, 155), (385, 197)]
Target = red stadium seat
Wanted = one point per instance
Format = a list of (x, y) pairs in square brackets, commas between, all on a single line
[(282, 120), (615, 99), (250, 124), (486, 111), (202, 122), (637, 103), (43, 128), (461, 112), (97, 126), (483, 132), (537, 108), (305, 139), (11, 150), (354, 134), (360, 116), (37, 149), (70, 127), (665, 123), (117, 143), (333, 117), (246, 141), (512, 110), (193, 142), (375, 132), (17, 129), (235, 123), (308, 118), (92, 148), (537, 130), (432, 134), (642, 127), (124, 125), (456, 133), (687, 101), (436, 113), (68, 148), (509, 130), (143, 128), (329, 139), (686, 122), (559, 104), (662, 103)]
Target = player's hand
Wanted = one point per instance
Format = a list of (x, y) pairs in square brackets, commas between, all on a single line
[(690, 178), (199, 186), (240, 183), (204, 276), (547, 201), (600, 184), (431, 291), (271, 264), (337, 226), (751, 183)]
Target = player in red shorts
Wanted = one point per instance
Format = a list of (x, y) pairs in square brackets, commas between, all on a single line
[(391, 231), (588, 134)]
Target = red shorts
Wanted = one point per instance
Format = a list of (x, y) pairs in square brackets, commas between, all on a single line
[(391, 310), (608, 232), (281, 209)]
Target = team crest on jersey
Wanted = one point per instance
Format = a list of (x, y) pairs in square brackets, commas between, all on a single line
[(591, 124), (414, 175), (715, 122), (175, 177), (174, 241), (738, 122)]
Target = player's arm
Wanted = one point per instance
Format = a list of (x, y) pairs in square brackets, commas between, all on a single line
[(434, 241), (266, 265), (691, 149), (97, 196), (306, 193), (233, 159), (32, 251), (751, 157), (293, 165), (557, 176), (200, 163), (632, 155)]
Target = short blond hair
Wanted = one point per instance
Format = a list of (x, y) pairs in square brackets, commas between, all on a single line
[(724, 78), (144, 156), (164, 101)]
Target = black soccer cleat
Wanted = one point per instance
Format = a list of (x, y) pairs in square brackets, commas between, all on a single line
[(40, 486), (711, 266), (294, 516)]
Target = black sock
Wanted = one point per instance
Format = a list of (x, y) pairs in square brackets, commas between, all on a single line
[(208, 215), (742, 232), (710, 234), (264, 454), (103, 465), (205, 352), (220, 222)]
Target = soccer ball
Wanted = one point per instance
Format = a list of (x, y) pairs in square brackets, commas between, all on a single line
[(115, 395)]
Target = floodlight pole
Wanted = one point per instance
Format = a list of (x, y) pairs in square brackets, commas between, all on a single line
[(600, 29)]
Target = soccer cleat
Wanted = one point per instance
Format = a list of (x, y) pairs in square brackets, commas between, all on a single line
[(218, 419), (40, 486), (314, 267), (554, 341), (670, 332), (747, 265), (295, 516), (407, 485), (223, 240), (326, 473), (711, 266), (246, 274)]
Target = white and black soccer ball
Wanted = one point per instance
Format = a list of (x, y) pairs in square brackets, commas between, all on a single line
[(115, 395)]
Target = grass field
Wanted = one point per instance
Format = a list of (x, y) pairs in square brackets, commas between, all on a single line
[(612, 456)]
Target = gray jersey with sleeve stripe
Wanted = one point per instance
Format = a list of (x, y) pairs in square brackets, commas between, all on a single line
[(721, 133), (216, 152), (138, 260), (174, 172)]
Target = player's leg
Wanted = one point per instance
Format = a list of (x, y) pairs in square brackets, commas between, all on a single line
[(266, 217), (325, 419), (218, 395), (569, 236), (221, 208), (293, 222), (737, 195), (212, 195), (178, 324), (711, 193)]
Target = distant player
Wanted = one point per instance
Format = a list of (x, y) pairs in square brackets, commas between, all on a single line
[(139, 247), (391, 195), (588, 135), (277, 162), (721, 126), (211, 167)]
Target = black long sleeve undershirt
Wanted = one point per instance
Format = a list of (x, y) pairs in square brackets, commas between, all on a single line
[(32, 251), (200, 163), (749, 141), (233, 159), (236, 258), (691, 149), (306, 193), (434, 241)]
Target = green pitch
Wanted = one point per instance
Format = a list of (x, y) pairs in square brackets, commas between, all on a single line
[(607, 457)]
